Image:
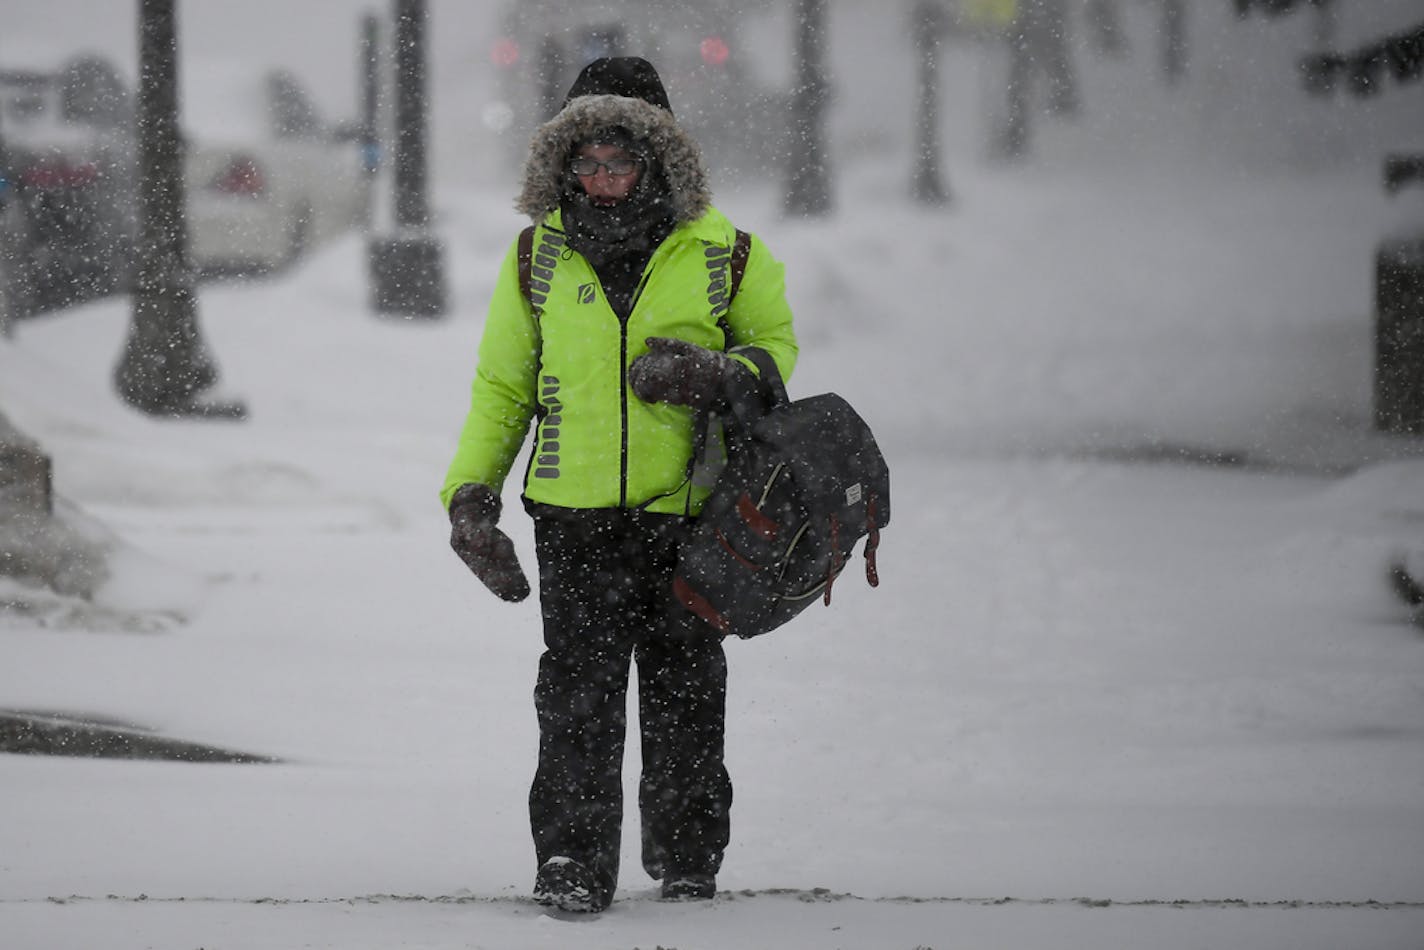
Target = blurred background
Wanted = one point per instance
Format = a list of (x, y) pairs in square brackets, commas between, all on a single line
[(1101, 274), (276, 157)]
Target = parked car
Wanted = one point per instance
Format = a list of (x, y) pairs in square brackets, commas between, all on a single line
[(66, 157), (267, 177)]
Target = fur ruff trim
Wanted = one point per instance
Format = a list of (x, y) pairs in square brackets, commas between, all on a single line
[(549, 149)]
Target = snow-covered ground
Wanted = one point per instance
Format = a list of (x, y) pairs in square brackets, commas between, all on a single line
[(1107, 694)]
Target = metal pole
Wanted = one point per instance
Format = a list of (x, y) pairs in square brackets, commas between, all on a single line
[(1174, 40), (808, 188), (927, 24), (407, 269), (369, 79), (165, 364), (412, 210), (9, 258)]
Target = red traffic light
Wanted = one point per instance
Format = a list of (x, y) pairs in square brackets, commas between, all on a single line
[(505, 52), (714, 51)]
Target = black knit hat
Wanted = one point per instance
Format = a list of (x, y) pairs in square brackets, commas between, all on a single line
[(630, 76)]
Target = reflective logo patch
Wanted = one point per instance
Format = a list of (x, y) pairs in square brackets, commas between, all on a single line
[(719, 260), (541, 270), (546, 458)]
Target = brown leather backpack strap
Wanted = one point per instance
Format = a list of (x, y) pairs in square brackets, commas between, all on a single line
[(741, 250), (736, 267), (525, 255)]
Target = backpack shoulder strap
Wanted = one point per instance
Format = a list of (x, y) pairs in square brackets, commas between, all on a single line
[(770, 375), (525, 255), (741, 250), (750, 396)]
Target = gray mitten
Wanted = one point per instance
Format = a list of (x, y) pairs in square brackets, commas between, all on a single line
[(486, 550), (679, 372)]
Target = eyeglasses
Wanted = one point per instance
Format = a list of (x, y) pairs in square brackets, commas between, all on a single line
[(617, 167)]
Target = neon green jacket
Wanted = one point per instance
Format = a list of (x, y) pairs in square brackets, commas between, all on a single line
[(563, 360)]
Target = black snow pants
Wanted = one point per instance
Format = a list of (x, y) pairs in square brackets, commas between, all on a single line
[(604, 578)]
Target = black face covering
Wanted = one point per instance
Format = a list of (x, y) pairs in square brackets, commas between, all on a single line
[(635, 225)]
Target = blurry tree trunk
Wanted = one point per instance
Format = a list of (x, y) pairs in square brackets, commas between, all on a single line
[(1012, 140), (1327, 25), (1038, 50), (407, 269), (1320, 68), (1104, 21), (1174, 40), (165, 364), (928, 24), (1049, 41), (808, 191)]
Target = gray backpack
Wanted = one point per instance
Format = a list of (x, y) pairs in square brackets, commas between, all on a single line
[(803, 483)]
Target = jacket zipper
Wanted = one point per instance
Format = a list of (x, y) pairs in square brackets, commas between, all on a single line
[(623, 412), (623, 383)]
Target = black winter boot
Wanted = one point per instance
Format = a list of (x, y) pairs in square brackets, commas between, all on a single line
[(689, 887), (569, 886)]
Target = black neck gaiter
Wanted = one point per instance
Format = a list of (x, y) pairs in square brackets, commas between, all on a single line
[(635, 225)]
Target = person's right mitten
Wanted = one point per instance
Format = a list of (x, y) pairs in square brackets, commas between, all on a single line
[(486, 550)]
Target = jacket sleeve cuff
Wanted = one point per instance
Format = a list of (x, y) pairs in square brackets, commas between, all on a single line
[(476, 500)]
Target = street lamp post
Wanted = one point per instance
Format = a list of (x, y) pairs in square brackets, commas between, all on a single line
[(407, 273), (928, 25), (370, 89), (808, 191), (165, 365)]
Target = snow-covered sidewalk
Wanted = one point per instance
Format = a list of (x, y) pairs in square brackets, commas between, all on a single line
[(1147, 700), (744, 921), (1134, 676)]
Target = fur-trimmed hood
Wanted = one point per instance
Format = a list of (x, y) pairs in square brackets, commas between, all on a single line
[(582, 118)]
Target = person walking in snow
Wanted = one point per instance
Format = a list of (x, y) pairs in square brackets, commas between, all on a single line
[(615, 321)]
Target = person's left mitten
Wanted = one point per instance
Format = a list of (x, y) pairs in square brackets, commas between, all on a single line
[(486, 550), (679, 372)]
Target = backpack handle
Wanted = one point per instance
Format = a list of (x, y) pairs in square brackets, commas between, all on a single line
[(769, 384), (751, 397)]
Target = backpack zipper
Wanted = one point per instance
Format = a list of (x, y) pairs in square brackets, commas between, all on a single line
[(770, 481)]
